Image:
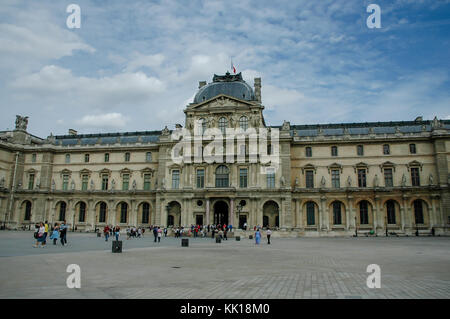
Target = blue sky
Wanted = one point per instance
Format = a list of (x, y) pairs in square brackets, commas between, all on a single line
[(135, 65)]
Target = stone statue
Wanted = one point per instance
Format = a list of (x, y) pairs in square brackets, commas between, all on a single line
[(286, 126), (436, 123), (282, 181), (92, 185), (211, 122), (165, 131), (72, 185), (255, 120), (21, 122), (134, 186), (113, 185), (38, 184), (163, 183), (403, 180), (375, 181), (53, 185), (431, 179), (296, 182), (349, 182), (2, 182), (322, 182)]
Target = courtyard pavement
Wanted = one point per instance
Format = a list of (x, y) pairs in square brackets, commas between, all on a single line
[(411, 267)]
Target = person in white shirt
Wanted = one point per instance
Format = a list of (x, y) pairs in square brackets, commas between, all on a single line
[(268, 233), (40, 236)]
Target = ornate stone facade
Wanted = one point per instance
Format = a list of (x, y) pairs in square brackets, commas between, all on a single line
[(332, 180)]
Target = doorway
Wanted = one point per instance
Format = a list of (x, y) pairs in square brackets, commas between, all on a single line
[(220, 213)]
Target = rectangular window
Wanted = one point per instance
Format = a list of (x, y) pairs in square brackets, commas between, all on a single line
[(84, 182), (309, 179), (67, 158), (388, 178), (86, 158), (106, 157), (104, 182), (31, 182), (125, 181), (310, 215), (33, 158), (360, 150), (200, 178), (271, 179), (362, 178), (175, 179), (147, 182), (412, 148), (148, 157), (335, 178), (386, 149), (308, 151), (243, 173), (415, 178), (334, 151), (337, 217), (127, 157), (65, 182)]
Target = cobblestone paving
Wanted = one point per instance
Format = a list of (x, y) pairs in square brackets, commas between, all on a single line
[(332, 268)]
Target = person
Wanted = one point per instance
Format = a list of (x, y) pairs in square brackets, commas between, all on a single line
[(165, 231), (257, 236), (159, 234), (106, 232), (63, 233), (128, 233), (40, 235), (245, 226), (45, 233), (220, 233), (117, 232), (212, 232), (139, 232), (55, 234), (225, 233), (155, 233), (143, 231), (269, 232)]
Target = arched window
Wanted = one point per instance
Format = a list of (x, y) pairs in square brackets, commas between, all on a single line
[(390, 211), (27, 210), (337, 215), (123, 213), (222, 176), (102, 216), (223, 123), (418, 211), (310, 214), (363, 212), (243, 123), (62, 211), (145, 213), (82, 212)]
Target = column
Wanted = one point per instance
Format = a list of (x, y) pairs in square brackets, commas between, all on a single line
[(134, 210), (231, 221), (403, 213), (376, 213), (207, 212), (299, 214)]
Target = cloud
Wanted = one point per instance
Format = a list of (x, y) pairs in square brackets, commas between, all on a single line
[(108, 120)]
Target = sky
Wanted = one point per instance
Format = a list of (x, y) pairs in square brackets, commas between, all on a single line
[(136, 65)]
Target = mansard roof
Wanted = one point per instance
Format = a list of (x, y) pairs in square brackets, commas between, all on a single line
[(108, 138)]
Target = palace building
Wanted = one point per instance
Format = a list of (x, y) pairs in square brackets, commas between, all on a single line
[(332, 179)]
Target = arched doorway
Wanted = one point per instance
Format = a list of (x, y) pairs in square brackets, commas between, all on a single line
[(221, 213), (271, 214), (174, 214)]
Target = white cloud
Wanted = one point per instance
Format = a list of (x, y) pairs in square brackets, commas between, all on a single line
[(108, 120)]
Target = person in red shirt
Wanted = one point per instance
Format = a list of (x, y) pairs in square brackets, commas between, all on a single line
[(106, 232)]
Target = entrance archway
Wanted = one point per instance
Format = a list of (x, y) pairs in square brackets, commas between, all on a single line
[(221, 213), (271, 214)]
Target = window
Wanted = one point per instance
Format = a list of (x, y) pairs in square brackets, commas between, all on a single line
[(310, 213), (33, 158), (418, 211), (309, 179), (308, 151), (223, 123), (386, 149), (362, 178), (86, 158), (67, 158), (84, 182), (125, 181), (104, 182), (334, 151), (123, 213), (415, 178), (243, 123), (412, 148), (145, 213), (147, 182), (31, 182), (337, 215), (363, 213), (335, 178), (360, 150), (388, 179), (269, 149), (390, 210), (102, 216), (148, 156), (200, 178), (175, 179), (27, 211), (62, 211), (65, 183), (82, 213), (222, 174), (106, 157), (271, 179), (127, 157), (243, 173)]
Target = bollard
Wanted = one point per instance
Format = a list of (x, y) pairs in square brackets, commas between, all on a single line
[(250, 236), (99, 235), (238, 238), (117, 246), (184, 242), (218, 240)]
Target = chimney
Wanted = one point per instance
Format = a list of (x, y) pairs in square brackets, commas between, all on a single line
[(201, 84), (72, 131), (258, 89)]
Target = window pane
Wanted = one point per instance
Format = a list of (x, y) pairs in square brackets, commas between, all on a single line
[(147, 182), (106, 157), (67, 158), (388, 181), (200, 178), (243, 123), (243, 172), (308, 151), (412, 148), (334, 151), (418, 211), (310, 214), (390, 207), (222, 174), (148, 156), (86, 158), (84, 182), (362, 178), (31, 182), (415, 178), (386, 149), (335, 178), (309, 179), (65, 182), (105, 182), (364, 213), (337, 213), (175, 179), (223, 123), (126, 181), (123, 212), (360, 149), (127, 157)]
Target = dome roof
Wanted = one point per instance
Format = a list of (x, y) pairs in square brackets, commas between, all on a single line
[(228, 84)]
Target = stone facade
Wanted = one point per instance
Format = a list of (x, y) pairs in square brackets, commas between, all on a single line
[(375, 177)]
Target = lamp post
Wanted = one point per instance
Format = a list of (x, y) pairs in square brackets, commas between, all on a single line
[(239, 209), (356, 228)]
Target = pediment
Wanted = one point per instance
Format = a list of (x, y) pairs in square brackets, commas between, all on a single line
[(221, 101)]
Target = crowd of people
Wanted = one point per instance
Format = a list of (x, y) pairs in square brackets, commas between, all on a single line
[(58, 231)]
